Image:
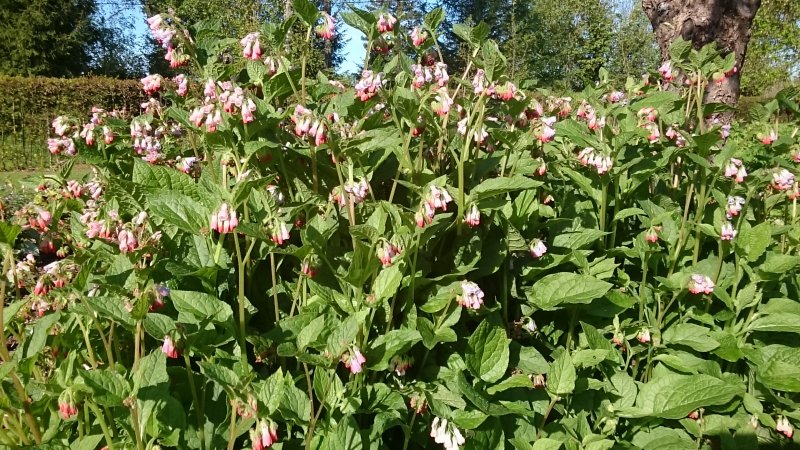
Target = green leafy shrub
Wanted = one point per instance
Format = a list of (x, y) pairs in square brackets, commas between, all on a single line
[(422, 259)]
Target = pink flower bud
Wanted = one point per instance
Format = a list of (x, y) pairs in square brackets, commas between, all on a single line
[(169, 348)]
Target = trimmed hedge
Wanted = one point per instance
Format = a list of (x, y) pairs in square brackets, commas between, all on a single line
[(29, 104)]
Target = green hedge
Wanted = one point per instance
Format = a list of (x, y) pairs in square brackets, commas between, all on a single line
[(28, 105)]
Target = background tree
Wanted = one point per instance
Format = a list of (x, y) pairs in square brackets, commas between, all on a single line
[(726, 22), (773, 55), (47, 37), (633, 47)]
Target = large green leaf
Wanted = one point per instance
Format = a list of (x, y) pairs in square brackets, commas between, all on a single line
[(675, 396), (179, 210), (487, 352), (108, 387), (778, 367), (565, 288), (690, 335), (498, 186), (561, 377), (196, 307)]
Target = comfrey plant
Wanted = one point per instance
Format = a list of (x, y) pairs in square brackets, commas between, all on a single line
[(426, 259)]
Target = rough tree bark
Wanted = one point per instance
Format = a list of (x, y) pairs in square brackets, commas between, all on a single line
[(726, 22)]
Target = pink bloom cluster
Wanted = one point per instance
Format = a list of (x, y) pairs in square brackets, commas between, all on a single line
[(354, 360), (442, 102), (701, 284), (164, 33), (418, 36), (768, 138), (146, 140), (387, 252), (727, 233), (251, 46), (386, 22), (471, 295), (264, 434), (546, 133), (183, 84), (587, 113), (473, 217), (735, 169), (673, 135), (66, 406), (368, 85), (783, 180), (62, 143), (303, 125), (643, 336), (152, 83), (783, 426), (666, 71), (590, 157), (447, 434), (359, 190), (224, 220), (280, 233), (327, 27), (734, 206)]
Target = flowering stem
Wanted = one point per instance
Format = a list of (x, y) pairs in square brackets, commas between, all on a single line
[(136, 428), (92, 358), (681, 232), (603, 207), (193, 387), (242, 331), (232, 426), (312, 423), (407, 438), (701, 204), (102, 421), (274, 286), (641, 287), (137, 343)]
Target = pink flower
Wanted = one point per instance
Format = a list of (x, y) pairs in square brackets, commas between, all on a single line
[(651, 236), (318, 131), (471, 295), (473, 217), (307, 269), (359, 190), (73, 189), (168, 347), (666, 71), (547, 132), (368, 85), (251, 46), (537, 248), (354, 360), (248, 108), (542, 168), (386, 22), (727, 232), (694, 415), (442, 102), (151, 83), (643, 336), (701, 284), (279, 233), (438, 198), (386, 253), (210, 90), (183, 84), (66, 406), (440, 74), (108, 135), (418, 36), (41, 287), (654, 133), (87, 133), (506, 91), (479, 85), (735, 170), (326, 28), (127, 241), (42, 220), (616, 97), (783, 180), (769, 138), (782, 425), (734, 206), (224, 220)]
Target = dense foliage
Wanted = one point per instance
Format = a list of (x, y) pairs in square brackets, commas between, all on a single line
[(267, 257)]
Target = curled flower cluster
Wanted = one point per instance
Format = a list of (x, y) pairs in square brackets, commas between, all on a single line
[(546, 133), (447, 434), (280, 232), (590, 157), (386, 22), (67, 408), (701, 284), (473, 217), (673, 135), (387, 252), (783, 180), (418, 36), (783, 426), (304, 127), (169, 348), (666, 71), (442, 102), (587, 113), (471, 295), (399, 364), (326, 29), (147, 140), (727, 233), (251, 46), (152, 83), (734, 206), (359, 190)]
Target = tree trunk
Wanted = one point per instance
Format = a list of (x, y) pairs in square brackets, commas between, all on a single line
[(701, 22)]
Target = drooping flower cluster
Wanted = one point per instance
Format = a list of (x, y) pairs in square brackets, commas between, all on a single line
[(169, 348), (590, 157), (587, 113), (164, 32), (783, 426), (442, 102), (368, 85), (67, 408), (264, 434), (304, 127), (447, 434), (280, 233), (152, 83), (182, 83), (701, 284), (546, 133), (734, 206), (63, 143), (326, 29), (673, 135), (735, 169), (643, 336), (473, 217), (399, 364), (354, 360), (387, 252), (224, 220), (386, 22), (768, 138), (727, 233), (666, 71), (251, 46), (471, 295), (537, 248), (783, 180), (418, 36)]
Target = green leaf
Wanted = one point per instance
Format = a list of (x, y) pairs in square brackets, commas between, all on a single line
[(41, 330), (579, 239), (196, 307), (555, 289), (160, 178), (779, 367), (158, 325), (309, 334), (152, 371), (387, 282), (589, 358), (487, 352), (675, 396), (9, 233), (179, 210), (108, 387), (384, 347), (112, 308), (514, 381), (434, 18), (752, 242), (498, 186), (780, 264), (270, 391), (306, 10), (223, 376), (628, 212), (690, 335), (776, 322), (546, 444), (561, 377)]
